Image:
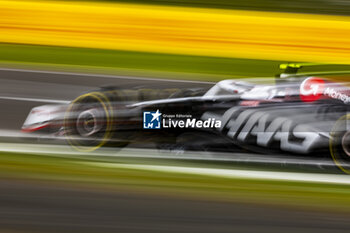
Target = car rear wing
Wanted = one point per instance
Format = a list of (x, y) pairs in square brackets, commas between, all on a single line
[(290, 70)]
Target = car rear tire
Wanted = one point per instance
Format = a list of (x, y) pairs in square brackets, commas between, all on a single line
[(339, 143)]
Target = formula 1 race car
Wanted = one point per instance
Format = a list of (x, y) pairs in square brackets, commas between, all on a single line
[(295, 113)]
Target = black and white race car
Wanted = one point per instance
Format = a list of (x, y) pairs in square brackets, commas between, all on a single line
[(294, 113)]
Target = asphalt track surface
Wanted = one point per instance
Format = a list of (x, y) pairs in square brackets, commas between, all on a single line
[(19, 88), (35, 206)]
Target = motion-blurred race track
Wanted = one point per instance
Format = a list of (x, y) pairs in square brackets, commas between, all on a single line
[(36, 205), (43, 207)]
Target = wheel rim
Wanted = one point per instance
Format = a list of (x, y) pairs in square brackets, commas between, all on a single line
[(89, 122), (345, 142)]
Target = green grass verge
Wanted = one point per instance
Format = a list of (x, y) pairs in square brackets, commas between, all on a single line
[(141, 64), (205, 68), (68, 171)]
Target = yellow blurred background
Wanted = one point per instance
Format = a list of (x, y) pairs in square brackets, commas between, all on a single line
[(177, 30)]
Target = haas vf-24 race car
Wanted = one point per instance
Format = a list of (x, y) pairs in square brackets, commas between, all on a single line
[(294, 113)]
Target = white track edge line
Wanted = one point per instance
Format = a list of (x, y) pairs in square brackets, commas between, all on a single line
[(227, 173), (35, 100), (67, 151)]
